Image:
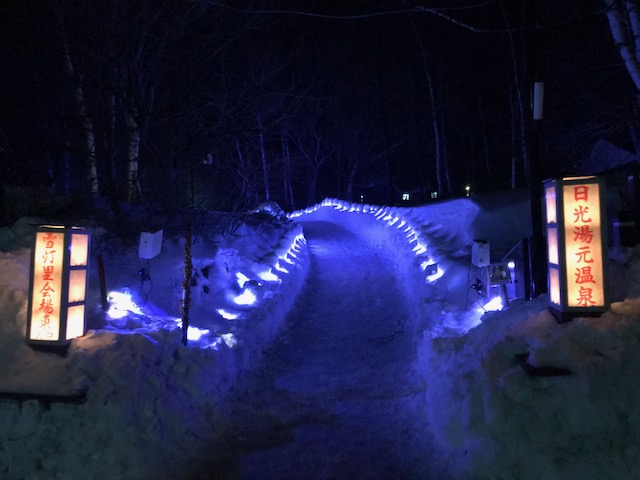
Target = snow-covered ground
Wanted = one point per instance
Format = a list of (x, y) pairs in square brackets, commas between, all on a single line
[(359, 352)]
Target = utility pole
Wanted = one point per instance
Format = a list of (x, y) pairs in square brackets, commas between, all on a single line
[(537, 252)]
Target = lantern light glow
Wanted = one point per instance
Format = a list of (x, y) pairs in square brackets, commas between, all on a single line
[(58, 286), (576, 245)]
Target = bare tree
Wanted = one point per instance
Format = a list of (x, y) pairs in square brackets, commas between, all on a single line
[(624, 23), (80, 103), (442, 176), (314, 151)]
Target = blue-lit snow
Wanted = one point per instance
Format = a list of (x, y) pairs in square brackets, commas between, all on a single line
[(154, 405)]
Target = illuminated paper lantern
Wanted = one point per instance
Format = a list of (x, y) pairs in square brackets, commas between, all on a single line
[(58, 286), (576, 246)]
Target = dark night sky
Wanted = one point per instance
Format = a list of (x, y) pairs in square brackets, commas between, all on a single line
[(359, 83)]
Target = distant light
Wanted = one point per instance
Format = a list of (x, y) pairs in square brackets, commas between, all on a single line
[(435, 276), (511, 264), (468, 190), (121, 304), (229, 339), (247, 297), (361, 198), (280, 268), (242, 279), (420, 249), (434, 194), (268, 276), (494, 304), (287, 259), (194, 334), (227, 315), (405, 197), (430, 268)]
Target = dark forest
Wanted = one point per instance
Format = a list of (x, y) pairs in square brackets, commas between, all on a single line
[(227, 104)]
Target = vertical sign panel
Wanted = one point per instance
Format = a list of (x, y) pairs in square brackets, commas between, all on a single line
[(583, 245), (48, 259), (79, 250)]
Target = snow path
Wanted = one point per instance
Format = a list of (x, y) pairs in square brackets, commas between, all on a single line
[(335, 396)]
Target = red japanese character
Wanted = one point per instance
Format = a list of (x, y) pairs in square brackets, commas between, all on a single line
[(583, 255), (580, 213), (586, 297), (581, 192), (583, 234), (584, 275)]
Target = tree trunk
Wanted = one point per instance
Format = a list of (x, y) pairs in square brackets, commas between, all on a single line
[(82, 111), (624, 23), (115, 187), (132, 194), (244, 174), (350, 180), (519, 102), (445, 155), (263, 153), (287, 184), (514, 147), (485, 142), (434, 117), (312, 180)]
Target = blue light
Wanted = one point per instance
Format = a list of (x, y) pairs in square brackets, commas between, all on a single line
[(194, 334), (227, 315), (269, 276), (247, 297), (229, 339), (121, 304), (242, 279)]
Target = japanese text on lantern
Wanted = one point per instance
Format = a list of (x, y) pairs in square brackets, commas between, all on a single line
[(47, 285), (583, 245)]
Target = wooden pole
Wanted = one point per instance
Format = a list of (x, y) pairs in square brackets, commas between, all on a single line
[(186, 284), (103, 284)]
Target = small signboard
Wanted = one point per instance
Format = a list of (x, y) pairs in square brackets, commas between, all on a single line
[(150, 244)]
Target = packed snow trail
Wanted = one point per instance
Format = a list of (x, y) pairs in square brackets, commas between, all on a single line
[(335, 396)]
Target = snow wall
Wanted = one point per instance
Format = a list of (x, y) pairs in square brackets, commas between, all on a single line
[(155, 402), (152, 404), (516, 395)]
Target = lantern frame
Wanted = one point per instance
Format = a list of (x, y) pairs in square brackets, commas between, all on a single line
[(591, 254), (57, 299)]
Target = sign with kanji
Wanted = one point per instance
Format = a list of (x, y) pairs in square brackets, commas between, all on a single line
[(47, 286), (576, 245), (58, 285)]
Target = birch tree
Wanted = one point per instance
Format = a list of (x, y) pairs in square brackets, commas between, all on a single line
[(624, 23), (80, 103)]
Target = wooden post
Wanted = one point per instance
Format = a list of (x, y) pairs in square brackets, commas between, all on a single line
[(103, 284), (186, 284)]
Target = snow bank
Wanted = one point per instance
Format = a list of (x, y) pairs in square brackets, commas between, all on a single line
[(133, 386), (521, 396), (518, 395), (513, 396)]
